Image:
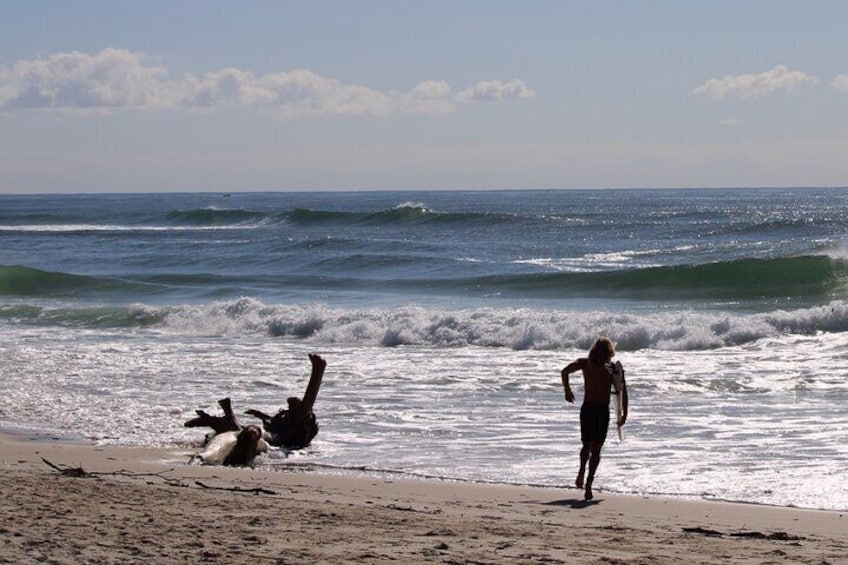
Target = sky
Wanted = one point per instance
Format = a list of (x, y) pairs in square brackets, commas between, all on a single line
[(173, 96)]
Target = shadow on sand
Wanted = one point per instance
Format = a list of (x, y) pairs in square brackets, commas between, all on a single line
[(574, 503)]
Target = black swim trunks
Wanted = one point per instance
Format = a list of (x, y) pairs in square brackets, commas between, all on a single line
[(594, 422)]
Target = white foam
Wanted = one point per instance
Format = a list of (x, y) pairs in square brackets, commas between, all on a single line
[(513, 328), (761, 413), (70, 228)]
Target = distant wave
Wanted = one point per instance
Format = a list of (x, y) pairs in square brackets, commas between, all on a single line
[(518, 329), (23, 281), (17, 280), (83, 317), (216, 216), (80, 228), (743, 279), (406, 214), (815, 278)]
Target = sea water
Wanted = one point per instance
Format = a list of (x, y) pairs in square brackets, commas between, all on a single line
[(445, 318)]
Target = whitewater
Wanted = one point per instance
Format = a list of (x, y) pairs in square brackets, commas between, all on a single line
[(445, 318)]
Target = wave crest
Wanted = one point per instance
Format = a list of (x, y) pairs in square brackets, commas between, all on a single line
[(517, 329), (216, 216)]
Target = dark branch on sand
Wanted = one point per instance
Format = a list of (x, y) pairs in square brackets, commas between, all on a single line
[(68, 471), (257, 490), (79, 472), (778, 536)]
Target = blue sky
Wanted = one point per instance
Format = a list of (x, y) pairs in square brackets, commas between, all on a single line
[(123, 96)]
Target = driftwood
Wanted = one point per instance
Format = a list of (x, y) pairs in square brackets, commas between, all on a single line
[(219, 424), (79, 472), (295, 427), (291, 428), (776, 536), (257, 490)]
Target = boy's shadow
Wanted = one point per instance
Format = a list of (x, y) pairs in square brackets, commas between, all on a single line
[(574, 503)]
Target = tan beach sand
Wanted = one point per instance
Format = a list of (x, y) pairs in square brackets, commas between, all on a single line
[(132, 506)]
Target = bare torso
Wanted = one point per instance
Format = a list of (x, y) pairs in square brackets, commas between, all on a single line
[(597, 382)]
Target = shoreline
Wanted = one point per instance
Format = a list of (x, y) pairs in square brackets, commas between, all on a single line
[(70, 502), (27, 435)]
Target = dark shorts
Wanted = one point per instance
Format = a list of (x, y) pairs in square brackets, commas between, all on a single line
[(594, 422)]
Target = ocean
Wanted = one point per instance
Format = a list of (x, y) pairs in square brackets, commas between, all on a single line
[(445, 318)]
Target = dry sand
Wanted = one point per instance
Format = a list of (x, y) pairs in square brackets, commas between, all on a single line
[(115, 505)]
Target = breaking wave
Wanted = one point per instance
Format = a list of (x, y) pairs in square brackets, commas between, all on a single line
[(517, 329)]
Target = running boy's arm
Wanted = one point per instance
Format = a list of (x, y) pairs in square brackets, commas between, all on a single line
[(567, 370)]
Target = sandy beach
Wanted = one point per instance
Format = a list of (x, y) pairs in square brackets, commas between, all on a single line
[(69, 503)]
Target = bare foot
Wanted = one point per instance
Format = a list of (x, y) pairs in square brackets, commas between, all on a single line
[(588, 495), (579, 482)]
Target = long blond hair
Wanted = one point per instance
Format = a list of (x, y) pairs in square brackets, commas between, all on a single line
[(602, 351)]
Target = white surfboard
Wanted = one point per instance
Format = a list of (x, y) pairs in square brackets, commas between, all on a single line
[(618, 385)]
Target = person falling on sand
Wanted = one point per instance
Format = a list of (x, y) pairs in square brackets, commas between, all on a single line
[(598, 377)]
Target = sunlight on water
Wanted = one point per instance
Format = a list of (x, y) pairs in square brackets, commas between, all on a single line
[(741, 423), (445, 318)]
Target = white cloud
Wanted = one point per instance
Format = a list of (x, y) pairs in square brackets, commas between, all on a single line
[(296, 93), (731, 121), (840, 83), (112, 78), (116, 78), (495, 90), (753, 85), (428, 97)]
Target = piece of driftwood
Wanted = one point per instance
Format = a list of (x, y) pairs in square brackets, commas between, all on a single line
[(249, 444), (79, 472), (67, 471), (219, 424), (257, 490), (296, 426), (292, 428), (776, 536)]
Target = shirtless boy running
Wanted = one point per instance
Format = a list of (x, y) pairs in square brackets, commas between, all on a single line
[(594, 413)]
